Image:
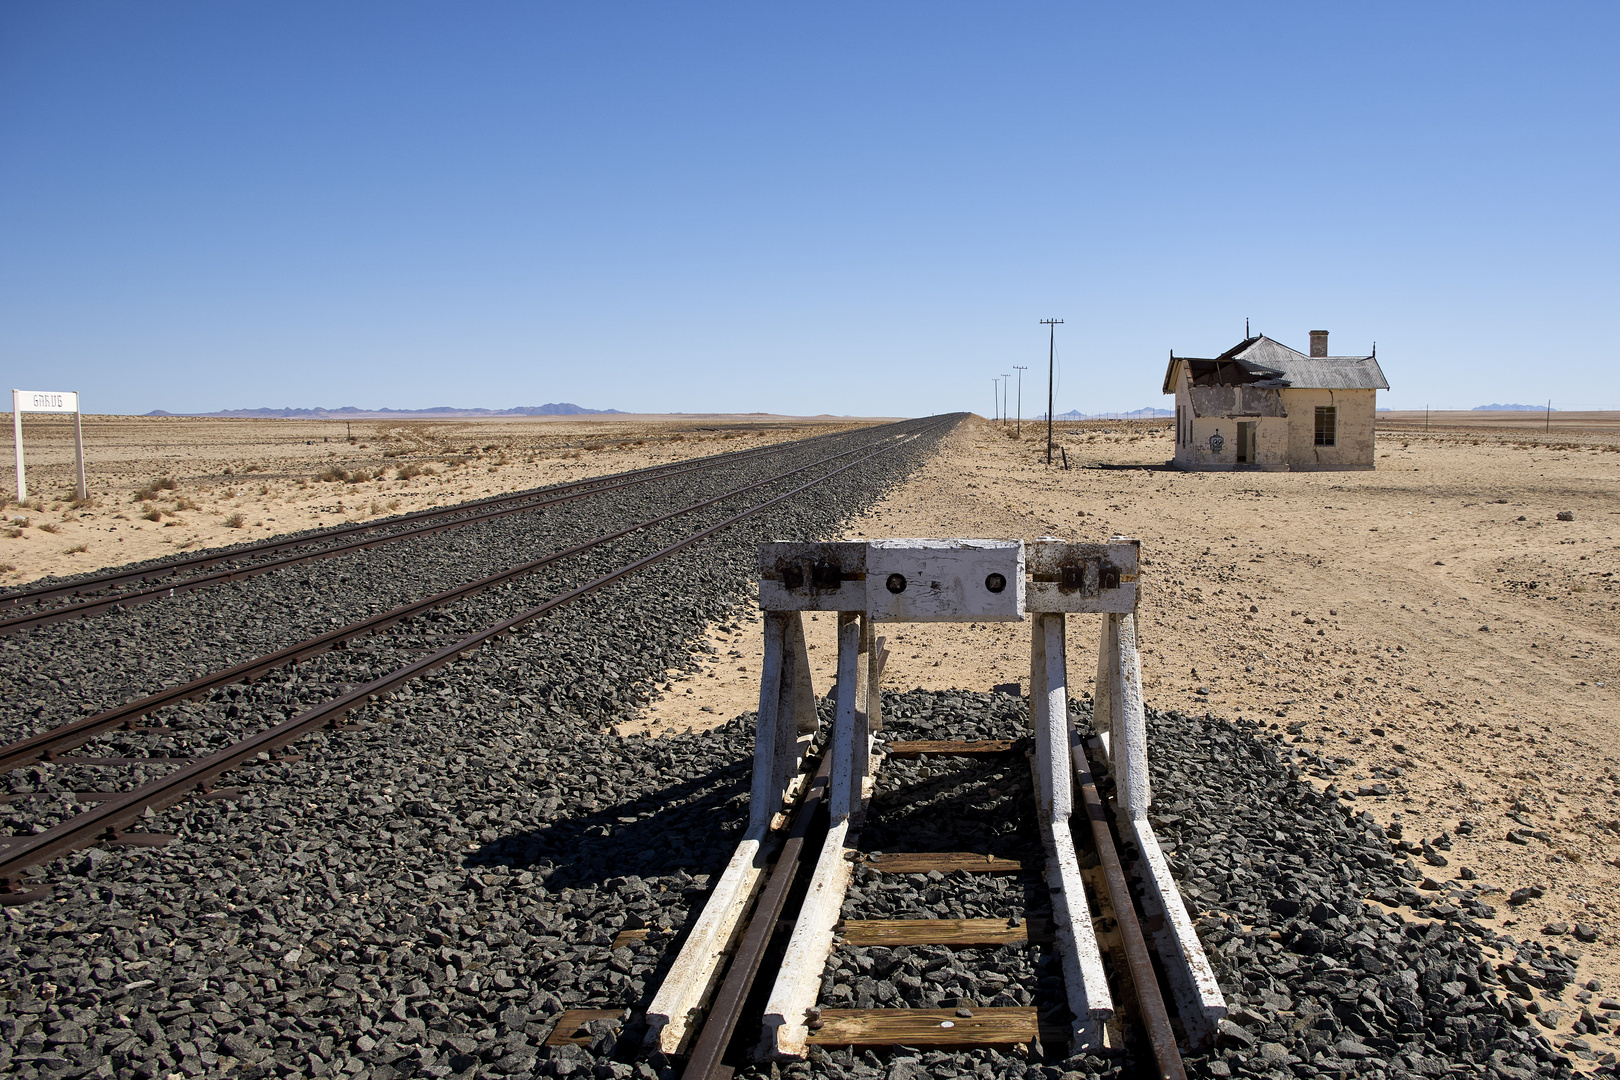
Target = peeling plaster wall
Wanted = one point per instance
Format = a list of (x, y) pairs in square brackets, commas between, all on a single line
[(1286, 442), (1353, 447)]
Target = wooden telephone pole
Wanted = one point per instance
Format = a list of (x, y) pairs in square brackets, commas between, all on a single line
[(1051, 353)]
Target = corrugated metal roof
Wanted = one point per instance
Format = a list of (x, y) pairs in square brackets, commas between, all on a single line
[(1263, 357)]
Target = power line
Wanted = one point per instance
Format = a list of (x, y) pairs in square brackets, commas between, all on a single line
[(1020, 368), (1051, 355)]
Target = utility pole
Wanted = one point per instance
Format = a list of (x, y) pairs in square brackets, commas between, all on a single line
[(1549, 416), (995, 389), (1020, 368), (1004, 379), (1051, 354)]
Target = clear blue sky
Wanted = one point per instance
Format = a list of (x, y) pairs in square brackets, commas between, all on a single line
[(851, 208)]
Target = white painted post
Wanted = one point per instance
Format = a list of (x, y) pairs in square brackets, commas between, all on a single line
[(52, 401), (1105, 698), (873, 698), (696, 971), (799, 980), (81, 491), (786, 1027), (1090, 1001), (845, 790), (1192, 981), (772, 730), (1132, 791), (16, 437), (796, 653)]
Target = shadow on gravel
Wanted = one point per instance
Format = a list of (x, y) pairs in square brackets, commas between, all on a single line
[(974, 806), (691, 826)]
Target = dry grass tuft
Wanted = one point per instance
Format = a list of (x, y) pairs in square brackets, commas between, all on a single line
[(78, 549), (360, 477), (183, 503), (333, 474), (50, 527), (152, 513), (6, 568), (235, 521), (150, 491)]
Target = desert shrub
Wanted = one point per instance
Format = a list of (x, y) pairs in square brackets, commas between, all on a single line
[(152, 513), (154, 489), (235, 521), (12, 534), (393, 504), (333, 474), (183, 503), (254, 468), (77, 549), (408, 472), (6, 568), (359, 477), (50, 527), (90, 503)]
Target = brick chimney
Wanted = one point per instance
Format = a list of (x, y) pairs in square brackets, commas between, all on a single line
[(1319, 342)]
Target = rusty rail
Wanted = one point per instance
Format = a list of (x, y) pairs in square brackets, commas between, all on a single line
[(531, 500), (1139, 961), (104, 820), (74, 733)]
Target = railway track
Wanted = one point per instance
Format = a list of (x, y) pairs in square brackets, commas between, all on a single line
[(113, 811), (279, 554), (1030, 1019), (1141, 1028)]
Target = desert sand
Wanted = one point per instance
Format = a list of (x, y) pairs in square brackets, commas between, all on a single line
[(160, 485), (1431, 625), (1433, 617)]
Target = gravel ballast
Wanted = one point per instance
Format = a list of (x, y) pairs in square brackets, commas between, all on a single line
[(421, 897)]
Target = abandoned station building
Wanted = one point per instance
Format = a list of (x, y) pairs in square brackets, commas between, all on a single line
[(1262, 405)]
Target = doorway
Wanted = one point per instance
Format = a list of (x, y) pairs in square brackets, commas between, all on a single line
[(1245, 446)]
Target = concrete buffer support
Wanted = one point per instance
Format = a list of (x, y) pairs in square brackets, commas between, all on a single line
[(1102, 578)]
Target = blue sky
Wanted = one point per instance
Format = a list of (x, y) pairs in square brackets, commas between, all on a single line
[(848, 208)]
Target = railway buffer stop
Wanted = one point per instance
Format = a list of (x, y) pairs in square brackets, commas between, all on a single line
[(868, 583)]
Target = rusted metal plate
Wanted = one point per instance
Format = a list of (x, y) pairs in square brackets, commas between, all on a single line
[(1076, 577), (921, 862), (570, 1026), (959, 933), (914, 747), (935, 1027), (812, 577), (945, 580)]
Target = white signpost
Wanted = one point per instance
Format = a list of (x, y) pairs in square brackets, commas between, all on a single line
[(47, 401)]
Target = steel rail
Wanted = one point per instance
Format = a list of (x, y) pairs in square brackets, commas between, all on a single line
[(162, 793), (142, 596), (113, 579), (1139, 961), (41, 747), (704, 1062)]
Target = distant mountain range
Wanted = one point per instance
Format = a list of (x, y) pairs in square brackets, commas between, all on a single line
[(1511, 408), (350, 412), (1137, 414)]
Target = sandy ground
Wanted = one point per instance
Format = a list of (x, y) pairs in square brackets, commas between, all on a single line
[(1432, 617), (235, 480)]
